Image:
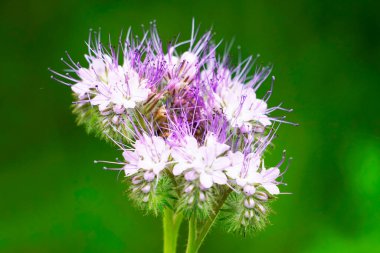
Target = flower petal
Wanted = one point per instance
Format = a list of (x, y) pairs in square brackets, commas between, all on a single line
[(271, 188), (206, 180), (219, 177)]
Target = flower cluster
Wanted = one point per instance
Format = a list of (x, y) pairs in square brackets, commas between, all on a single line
[(192, 129)]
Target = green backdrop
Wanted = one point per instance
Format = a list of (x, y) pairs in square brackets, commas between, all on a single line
[(326, 62)]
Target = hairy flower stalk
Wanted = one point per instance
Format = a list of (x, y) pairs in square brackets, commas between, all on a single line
[(191, 129)]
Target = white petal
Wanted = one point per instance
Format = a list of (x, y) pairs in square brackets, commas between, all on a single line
[(221, 148), (98, 66), (233, 172), (190, 57), (129, 104), (219, 177), (130, 156), (241, 181), (271, 174), (206, 180), (221, 163), (191, 143), (254, 177), (271, 188), (129, 171), (179, 168), (236, 158), (81, 88), (158, 167)]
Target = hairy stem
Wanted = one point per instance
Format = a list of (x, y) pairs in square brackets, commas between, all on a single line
[(171, 223), (191, 240), (208, 224)]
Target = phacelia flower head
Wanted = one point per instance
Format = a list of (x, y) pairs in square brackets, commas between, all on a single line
[(191, 126)]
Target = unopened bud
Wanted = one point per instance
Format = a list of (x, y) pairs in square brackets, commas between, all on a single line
[(261, 196), (190, 175), (189, 188), (191, 200), (249, 203), (118, 109), (261, 208), (115, 120), (248, 214), (136, 180), (146, 198), (202, 196), (149, 176), (249, 190), (146, 188)]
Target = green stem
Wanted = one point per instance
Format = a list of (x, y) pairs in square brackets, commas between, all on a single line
[(172, 222), (207, 226), (191, 240)]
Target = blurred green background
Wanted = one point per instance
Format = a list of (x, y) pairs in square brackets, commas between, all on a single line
[(326, 62)]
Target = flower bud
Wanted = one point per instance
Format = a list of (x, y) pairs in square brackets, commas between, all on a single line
[(115, 120), (146, 198), (248, 214), (261, 196), (249, 190), (118, 109), (189, 188), (136, 180), (202, 196), (149, 176), (249, 203), (191, 175), (146, 188), (261, 208), (191, 200)]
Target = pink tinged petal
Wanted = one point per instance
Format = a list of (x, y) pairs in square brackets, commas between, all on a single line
[(219, 177), (265, 121), (271, 188), (98, 99), (241, 181), (206, 180), (233, 172), (254, 177), (98, 66), (85, 74), (118, 109), (221, 148), (189, 57), (130, 170), (129, 104), (221, 163), (191, 143), (191, 175), (254, 163), (158, 167), (130, 156), (113, 78), (103, 89), (236, 158), (80, 88), (178, 155), (103, 106), (149, 176), (210, 148), (271, 174), (179, 168), (159, 144)]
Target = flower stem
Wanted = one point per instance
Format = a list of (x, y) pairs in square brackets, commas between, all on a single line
[(171, 223), (202, 233), (191, 240)]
